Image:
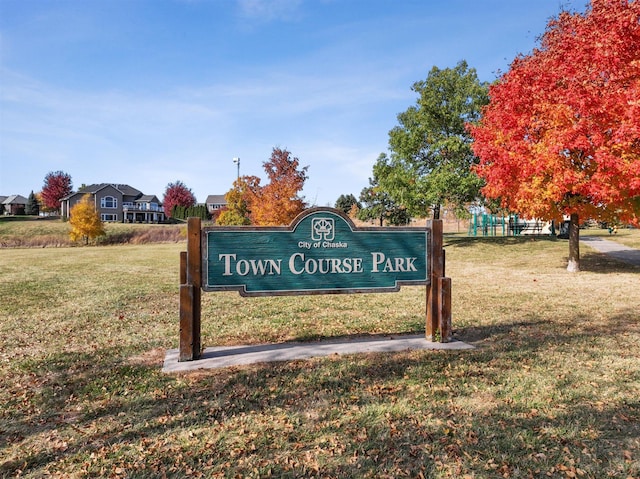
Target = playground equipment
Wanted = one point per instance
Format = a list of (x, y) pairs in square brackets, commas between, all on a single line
[(493, 225)]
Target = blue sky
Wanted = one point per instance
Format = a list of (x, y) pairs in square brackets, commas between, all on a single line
[(147, 92)]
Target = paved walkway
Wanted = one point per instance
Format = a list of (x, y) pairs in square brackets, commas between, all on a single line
[(613, 249), (224, 356)]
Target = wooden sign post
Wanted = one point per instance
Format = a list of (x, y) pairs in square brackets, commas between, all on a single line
[(190, 287), (321, 252)]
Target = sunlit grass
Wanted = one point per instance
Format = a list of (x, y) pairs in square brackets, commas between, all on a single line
[(551, 389)]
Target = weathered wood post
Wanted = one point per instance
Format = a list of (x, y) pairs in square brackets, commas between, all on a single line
[(445, 309), (439, 288), (190, 284)]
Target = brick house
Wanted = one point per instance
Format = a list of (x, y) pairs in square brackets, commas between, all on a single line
[(118, 203)]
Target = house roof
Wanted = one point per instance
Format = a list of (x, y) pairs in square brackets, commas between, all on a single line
[(91, 188), (148, 199), (15, 200), (124, 189), (216, 200)]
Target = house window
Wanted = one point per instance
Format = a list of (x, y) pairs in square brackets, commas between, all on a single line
[(108, 202), (108, 217)]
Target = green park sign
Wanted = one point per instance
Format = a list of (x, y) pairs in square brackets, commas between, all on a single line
[(321, 252)]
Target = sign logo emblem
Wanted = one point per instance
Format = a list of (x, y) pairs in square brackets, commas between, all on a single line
[(322, 229)]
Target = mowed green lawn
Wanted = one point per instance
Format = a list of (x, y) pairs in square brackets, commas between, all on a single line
[(551, 390)]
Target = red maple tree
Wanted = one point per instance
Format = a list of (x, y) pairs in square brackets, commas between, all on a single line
[(57, 185), (177, 194), (278, 202), (561, 134)]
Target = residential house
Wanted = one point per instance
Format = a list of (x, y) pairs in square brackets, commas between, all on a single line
[(118, 203), (215, 203), (14, 204), (146, 209)]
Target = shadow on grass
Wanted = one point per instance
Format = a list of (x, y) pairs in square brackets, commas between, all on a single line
[(538, 334), (463, 241), (311, 337), (595, 262), (476, 334), (364, 415)]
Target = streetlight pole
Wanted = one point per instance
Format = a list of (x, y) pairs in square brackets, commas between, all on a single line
[(236, 160)]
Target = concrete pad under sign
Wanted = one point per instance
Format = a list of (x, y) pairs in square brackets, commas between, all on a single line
[(224, 356)]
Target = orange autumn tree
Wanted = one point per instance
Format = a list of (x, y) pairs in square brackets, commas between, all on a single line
[(561, 134), (278, 202)]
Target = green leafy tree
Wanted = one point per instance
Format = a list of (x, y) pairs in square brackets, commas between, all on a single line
[(85, 221), (33, 207), (378, 205), (431, 158), (345, 203), (184, 212)]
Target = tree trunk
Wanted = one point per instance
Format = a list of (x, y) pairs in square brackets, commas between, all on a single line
[(436, 211), (574, 244)]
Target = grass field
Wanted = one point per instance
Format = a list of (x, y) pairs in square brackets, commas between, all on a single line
[(551, 390)]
